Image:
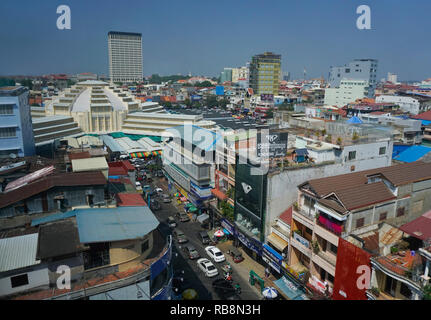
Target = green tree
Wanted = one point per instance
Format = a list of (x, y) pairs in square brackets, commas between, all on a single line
[(4, 82), (27, 83), (427, 292)]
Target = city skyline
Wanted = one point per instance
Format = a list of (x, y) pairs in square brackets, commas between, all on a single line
[(177, 39)]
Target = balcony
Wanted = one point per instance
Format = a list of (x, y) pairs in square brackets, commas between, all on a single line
[(336, 229), (304, 217), (301, 244), (325, 261)]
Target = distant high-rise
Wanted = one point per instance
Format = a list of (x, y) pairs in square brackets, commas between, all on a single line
[(226, 75), (125, 56), (358, 69), (16, 129), (392, 77), (265, 72)]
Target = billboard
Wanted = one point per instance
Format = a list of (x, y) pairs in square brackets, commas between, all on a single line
[(272, 145), (351, 261), (195, 97), (267, 97), (219, 90)]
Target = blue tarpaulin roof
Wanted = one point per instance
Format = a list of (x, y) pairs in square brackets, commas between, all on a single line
[(53, 217), (275, 253), (354, 120), (114, 224), (412, 154)]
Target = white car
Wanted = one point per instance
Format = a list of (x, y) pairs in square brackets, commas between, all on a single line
[(215, 254), (207, 267)]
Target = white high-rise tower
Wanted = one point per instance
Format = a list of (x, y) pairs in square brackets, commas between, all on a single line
[(125, 56)]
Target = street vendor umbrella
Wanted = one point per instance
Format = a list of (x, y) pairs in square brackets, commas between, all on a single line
[(190, 294), (183, 199), (219, 233), (192, 209), (269, 293)]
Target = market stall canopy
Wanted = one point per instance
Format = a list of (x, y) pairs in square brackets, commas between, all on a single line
[(202, 218)]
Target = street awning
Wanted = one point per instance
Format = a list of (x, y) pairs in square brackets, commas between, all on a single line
[(289, 289), (277, 241)]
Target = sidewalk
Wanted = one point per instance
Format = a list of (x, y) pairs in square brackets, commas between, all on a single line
[(243, 268)]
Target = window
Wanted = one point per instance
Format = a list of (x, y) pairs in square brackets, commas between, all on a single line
[(405, 290), (360, 222), (382, 150), (6, 109), (7, 132), (383, 216), (144, 246), (352, 155), (19, 281), (334, 248), (400, 212)]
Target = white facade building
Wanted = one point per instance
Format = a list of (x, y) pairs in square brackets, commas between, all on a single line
[(392, 78), (239, 73), (406, 103), (349, 91), (125, 56)]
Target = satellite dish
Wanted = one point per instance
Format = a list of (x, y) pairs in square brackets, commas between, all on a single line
[(12, 156)]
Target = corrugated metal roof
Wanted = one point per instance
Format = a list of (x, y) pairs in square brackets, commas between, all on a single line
[(113, 145), (18, 252), (97, 163), (53, 217), (114, 224)]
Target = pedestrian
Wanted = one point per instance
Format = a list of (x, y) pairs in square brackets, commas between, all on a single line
[(266, 272)]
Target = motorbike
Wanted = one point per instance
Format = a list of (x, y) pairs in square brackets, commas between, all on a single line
[(227, 268)]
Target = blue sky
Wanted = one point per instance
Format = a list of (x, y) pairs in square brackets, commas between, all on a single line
[(202, 37)]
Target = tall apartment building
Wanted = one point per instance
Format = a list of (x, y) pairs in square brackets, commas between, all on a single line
[(358, 69), (265, 70), (16, 130), (125, 56)]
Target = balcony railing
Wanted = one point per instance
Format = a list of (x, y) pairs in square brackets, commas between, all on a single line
[(335, 228), (301, 240), (304, 211)]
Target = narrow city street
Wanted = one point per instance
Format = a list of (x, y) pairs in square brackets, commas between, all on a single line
[(193, 277)]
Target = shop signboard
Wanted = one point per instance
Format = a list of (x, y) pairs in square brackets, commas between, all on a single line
[(272, 144)]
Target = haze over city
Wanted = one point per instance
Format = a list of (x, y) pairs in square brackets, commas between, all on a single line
[(202, 37)]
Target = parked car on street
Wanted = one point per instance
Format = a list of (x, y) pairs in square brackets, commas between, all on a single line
[(203, 237), (191, 252), (180, 236), (171, 222), (154, 205), (235, 254), (207, 267), (182, 216), (166, 198), (215, 254)]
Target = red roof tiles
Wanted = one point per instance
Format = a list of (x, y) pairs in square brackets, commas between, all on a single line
[(286, 216), (130, 200)]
